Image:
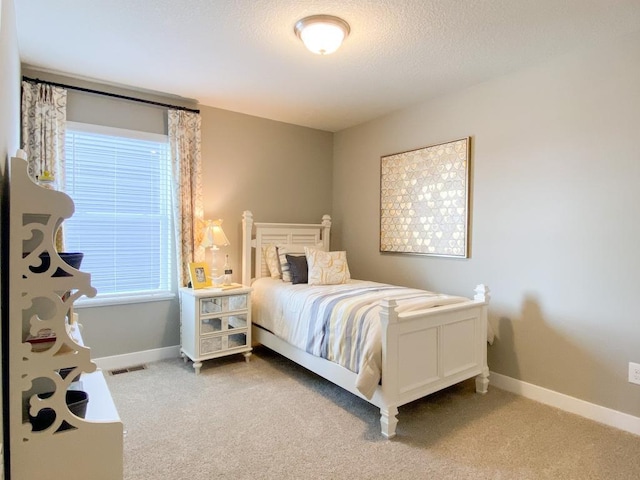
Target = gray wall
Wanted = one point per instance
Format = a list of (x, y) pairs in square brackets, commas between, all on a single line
[(556, 171), (9, 103), (249, 163), (9, 83), (281, 172)]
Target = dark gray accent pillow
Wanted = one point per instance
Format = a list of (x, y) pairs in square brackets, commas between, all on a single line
[(299, 268)]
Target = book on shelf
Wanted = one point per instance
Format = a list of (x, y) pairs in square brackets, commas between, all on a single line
[(42, 340)]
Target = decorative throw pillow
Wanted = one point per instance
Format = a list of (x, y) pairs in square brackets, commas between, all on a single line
[(298, 268), (327, 268), (291, 249), (270, 254)]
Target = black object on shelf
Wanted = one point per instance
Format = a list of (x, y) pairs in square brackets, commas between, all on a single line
[(64, 373), (74, 259), (76, 402)]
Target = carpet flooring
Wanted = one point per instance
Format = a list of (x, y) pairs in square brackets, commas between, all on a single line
[(272, 419)]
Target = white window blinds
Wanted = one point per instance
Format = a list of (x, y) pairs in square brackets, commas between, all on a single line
[(120, 182)]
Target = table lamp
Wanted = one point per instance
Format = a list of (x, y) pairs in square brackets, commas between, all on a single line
[(214, 238)]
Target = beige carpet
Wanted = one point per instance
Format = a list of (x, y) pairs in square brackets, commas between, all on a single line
[(271, 419)]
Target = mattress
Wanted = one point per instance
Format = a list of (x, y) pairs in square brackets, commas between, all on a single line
[(340, 323)]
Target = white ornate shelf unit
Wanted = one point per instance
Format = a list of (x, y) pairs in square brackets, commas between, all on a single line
[(92, 447)]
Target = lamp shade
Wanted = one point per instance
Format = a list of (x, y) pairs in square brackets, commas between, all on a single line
[(322, 34), (214, 236)]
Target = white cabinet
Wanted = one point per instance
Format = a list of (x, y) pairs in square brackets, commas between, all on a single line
[(40, 289), (214, 323)]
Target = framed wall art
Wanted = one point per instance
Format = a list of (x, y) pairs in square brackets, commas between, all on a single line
[(424, 200)]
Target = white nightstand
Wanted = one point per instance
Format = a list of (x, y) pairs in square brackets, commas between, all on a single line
[(214, 322)]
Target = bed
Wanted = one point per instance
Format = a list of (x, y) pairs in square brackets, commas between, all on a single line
[(417, 342)]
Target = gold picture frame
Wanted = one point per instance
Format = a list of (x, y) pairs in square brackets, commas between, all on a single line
[(199, 275), (424, 200)]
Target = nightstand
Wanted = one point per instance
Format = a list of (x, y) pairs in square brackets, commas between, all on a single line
[(214, 322)]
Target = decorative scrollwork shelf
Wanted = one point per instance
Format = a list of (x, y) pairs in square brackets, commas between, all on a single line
[(41, 289)]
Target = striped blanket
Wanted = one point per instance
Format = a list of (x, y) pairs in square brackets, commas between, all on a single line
[(340, 323)]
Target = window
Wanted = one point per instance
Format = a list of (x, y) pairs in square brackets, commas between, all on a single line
[(120, 182)]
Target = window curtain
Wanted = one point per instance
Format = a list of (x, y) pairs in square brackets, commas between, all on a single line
[(184, 145), (44, 116)]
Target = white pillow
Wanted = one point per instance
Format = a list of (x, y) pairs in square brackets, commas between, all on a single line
[(270, 255), (327, 268), (291, 249)]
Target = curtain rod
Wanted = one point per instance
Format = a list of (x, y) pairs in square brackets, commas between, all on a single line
[(107, 94)]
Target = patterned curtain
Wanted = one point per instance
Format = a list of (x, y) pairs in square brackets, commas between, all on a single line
[(184, 142), (44, 117)]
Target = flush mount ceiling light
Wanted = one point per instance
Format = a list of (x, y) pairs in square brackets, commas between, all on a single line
[(322, 34)]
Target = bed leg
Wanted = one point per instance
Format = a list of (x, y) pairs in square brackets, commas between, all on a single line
[(388, 421), (482, 381)]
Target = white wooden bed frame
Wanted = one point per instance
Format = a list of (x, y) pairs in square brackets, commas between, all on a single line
[(422, 352)]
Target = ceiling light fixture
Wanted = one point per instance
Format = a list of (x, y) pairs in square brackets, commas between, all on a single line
[(322, 34)]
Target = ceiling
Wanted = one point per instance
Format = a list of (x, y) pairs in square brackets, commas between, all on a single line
[(242, 55)]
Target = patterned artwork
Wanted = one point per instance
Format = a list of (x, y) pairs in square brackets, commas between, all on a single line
[(424, 200)]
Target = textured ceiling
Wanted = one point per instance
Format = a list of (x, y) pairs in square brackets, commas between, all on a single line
[(243, 55)]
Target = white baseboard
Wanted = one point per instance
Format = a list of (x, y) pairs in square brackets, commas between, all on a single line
[(136, 358), (607, 416)]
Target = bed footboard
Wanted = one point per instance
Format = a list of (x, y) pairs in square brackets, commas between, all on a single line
[(423, 352)]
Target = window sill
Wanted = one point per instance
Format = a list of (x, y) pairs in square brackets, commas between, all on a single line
[(123, 299)]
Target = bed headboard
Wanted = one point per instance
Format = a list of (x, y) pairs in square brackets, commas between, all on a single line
[(257, 235)]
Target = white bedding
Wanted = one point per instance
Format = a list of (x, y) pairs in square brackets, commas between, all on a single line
[(346, 323)]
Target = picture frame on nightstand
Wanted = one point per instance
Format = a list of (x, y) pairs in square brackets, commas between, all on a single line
[(199, 275)]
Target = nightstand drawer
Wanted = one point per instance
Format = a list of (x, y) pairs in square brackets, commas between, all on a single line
[(219, 343), (229, 303), (223, 323)]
